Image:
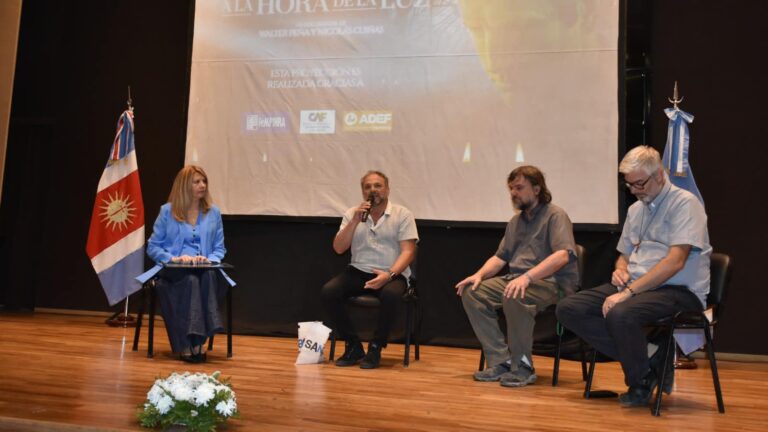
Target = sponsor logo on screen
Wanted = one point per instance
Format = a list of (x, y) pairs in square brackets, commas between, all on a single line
[(368, 121), (318, 122), (266, 122)]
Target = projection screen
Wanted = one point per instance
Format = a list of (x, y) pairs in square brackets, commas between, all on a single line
[(291, 101)]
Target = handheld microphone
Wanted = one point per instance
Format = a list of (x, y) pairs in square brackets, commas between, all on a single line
[(364, 217)]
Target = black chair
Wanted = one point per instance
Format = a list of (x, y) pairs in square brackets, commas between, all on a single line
[(412, 316), (559, 329), (148, 293), (720, 269)]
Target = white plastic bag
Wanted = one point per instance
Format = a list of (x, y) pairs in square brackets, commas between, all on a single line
[(312, 338)]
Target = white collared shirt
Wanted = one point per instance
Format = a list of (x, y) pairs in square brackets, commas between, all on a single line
[(378, 246)]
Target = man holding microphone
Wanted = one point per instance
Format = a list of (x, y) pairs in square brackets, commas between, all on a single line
[(382, 238)]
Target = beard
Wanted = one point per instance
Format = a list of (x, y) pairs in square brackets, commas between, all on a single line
[(645, 198), (521, 205)]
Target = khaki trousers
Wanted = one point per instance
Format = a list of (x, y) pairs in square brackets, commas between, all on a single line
[(482, 305)]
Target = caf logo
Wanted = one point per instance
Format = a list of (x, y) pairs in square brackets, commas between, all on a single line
[(317, 116)]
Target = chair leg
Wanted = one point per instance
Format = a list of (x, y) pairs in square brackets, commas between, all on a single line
[(151, 324), (590, 375), (333, 346), (713, 366), (229, 322), (416, 331), (656, 409), (139, 316), (408, 330), (210, 343), (481, 366), (556, 367), (582, 351)]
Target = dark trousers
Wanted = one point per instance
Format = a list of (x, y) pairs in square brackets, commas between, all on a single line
[(350, 283), (621, 335), (190, 307)]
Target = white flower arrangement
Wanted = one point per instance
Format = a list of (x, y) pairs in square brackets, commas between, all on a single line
[(197, 401)]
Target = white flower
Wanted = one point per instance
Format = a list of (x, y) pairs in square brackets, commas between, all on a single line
[(181, 391), (204, 393), (155, 393), (227, 407), (198, 388), (165, 404), (195, 380)]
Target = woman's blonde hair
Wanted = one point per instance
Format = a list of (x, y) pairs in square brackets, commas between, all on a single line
[(181, 192)]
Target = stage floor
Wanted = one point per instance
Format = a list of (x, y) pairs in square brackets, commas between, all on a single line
[(73, 373)]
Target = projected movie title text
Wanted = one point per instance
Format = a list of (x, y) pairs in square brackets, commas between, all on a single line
[(285, 7)]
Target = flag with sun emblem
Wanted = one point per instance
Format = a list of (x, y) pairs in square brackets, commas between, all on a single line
[(116, 236)]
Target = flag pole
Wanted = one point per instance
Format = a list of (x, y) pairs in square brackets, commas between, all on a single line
[(123, 319), (129, 102), (680, 360)]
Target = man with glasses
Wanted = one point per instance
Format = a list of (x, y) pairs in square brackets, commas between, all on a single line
[(663, 268)]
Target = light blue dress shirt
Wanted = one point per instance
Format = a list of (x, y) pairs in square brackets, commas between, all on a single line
[(674, 217), (172, 238)]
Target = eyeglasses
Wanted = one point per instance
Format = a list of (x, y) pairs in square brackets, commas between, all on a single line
[(640, 184)]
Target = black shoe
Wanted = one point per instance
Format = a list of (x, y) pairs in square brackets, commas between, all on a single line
[(192, 358), (373, 358), (640, 394), (197, 355), (353, 353)]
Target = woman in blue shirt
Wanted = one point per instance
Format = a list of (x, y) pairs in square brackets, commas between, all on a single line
[(189, 230)]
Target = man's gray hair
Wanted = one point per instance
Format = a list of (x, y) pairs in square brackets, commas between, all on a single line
[(641, 157)]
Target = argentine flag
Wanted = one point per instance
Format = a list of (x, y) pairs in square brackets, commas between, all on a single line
[(676, 152)]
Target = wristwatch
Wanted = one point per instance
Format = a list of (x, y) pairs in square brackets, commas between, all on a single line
[(392, 275)]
